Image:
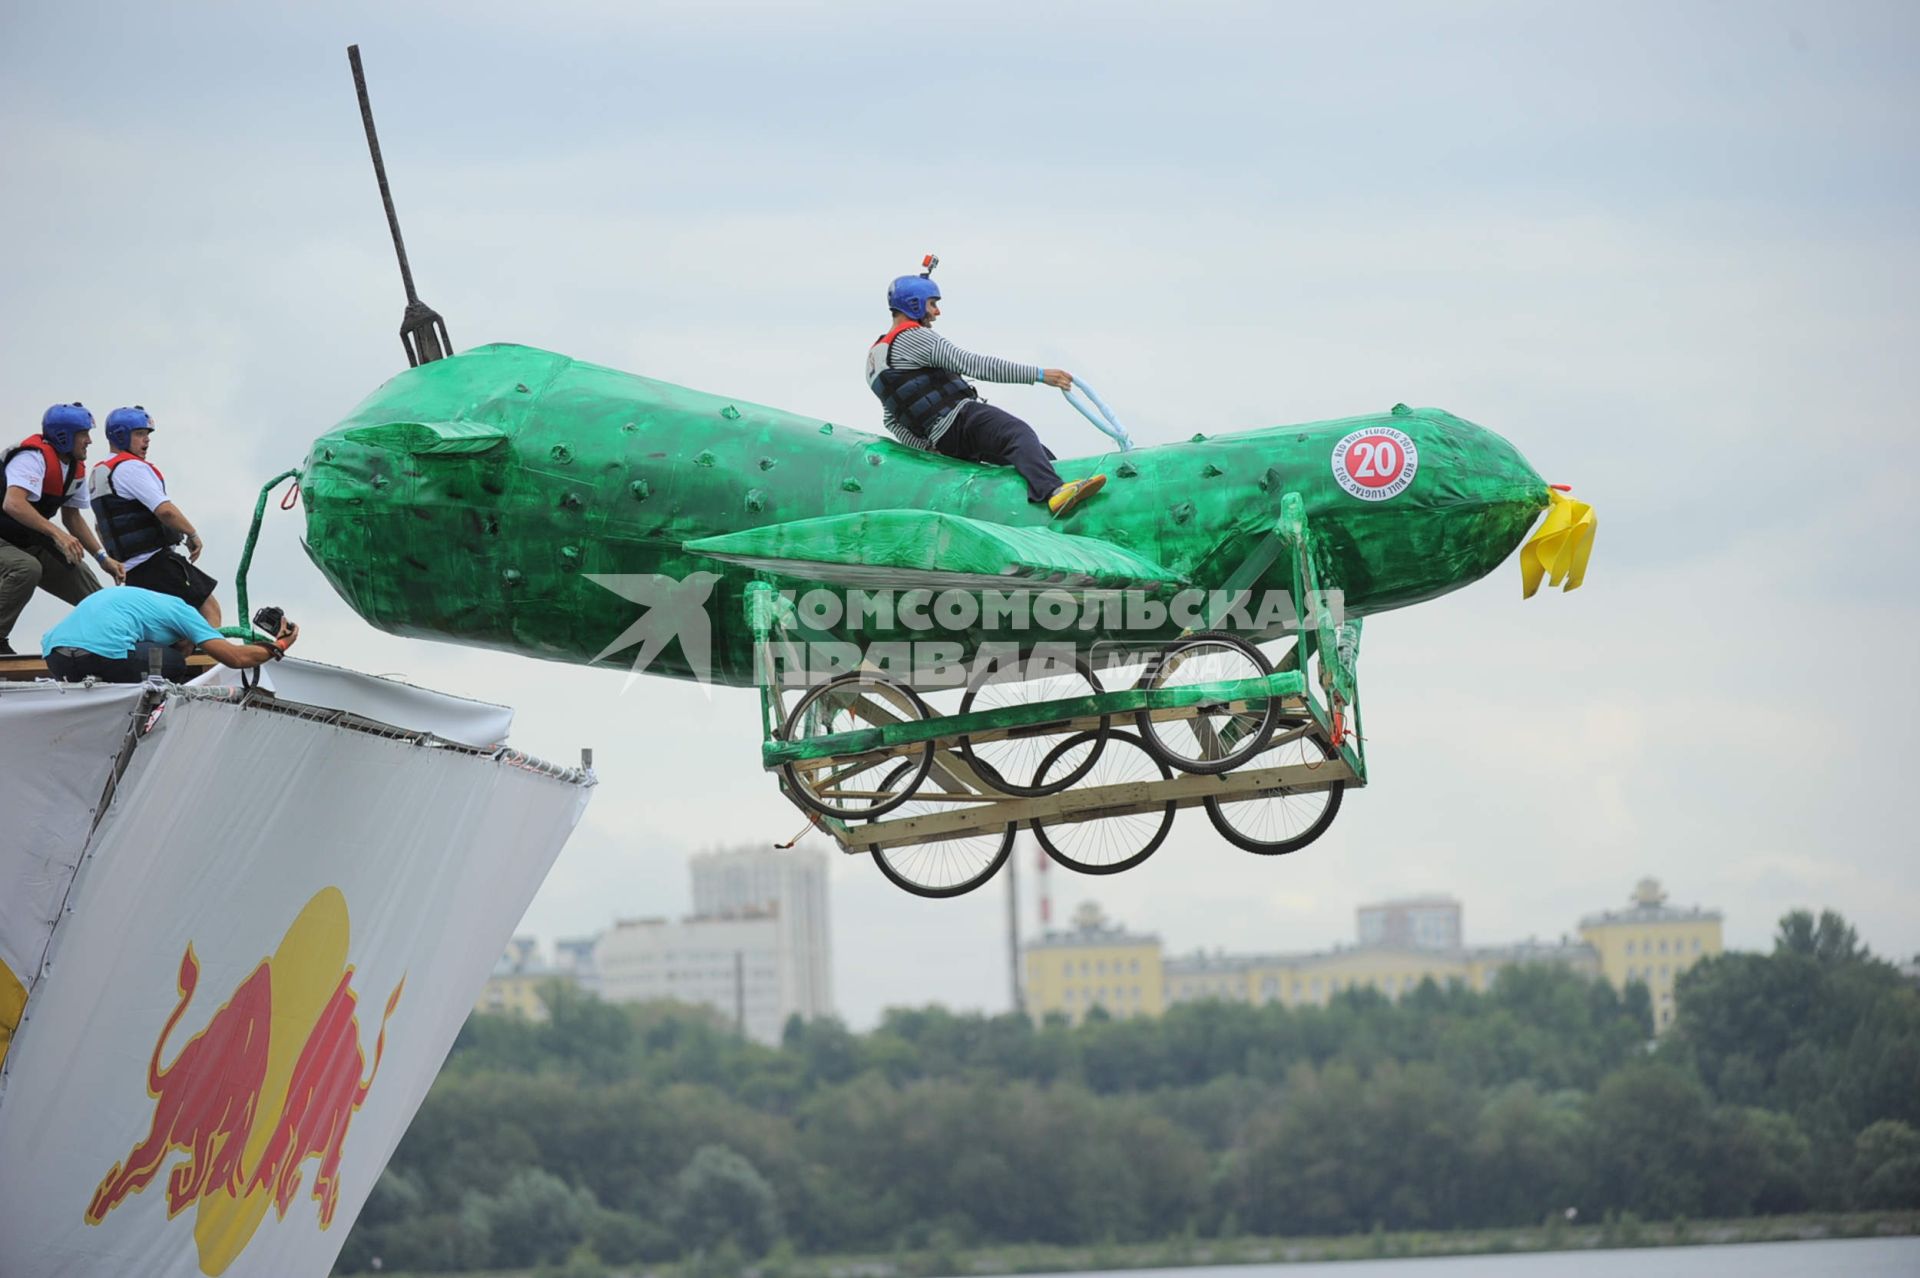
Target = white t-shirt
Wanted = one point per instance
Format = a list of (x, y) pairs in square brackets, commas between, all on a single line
[(137, 480), (29, 471)]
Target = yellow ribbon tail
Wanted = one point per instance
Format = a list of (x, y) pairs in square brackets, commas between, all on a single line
[(1559, 548)]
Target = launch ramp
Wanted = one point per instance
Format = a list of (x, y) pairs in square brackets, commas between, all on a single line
[(240, 932)]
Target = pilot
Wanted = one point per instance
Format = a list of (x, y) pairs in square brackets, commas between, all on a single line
[(928, 403), (110, 636), (140, 524), (45, 473)]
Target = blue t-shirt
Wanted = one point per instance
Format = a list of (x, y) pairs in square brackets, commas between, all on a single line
[(110, 622)]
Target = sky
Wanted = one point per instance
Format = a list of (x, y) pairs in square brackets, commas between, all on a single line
[(1668, 250)]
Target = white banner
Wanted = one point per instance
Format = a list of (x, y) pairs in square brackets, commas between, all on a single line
[(377, 697), (281, 926), (57, 746)]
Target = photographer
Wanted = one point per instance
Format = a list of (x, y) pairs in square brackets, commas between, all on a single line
[(110, 634)]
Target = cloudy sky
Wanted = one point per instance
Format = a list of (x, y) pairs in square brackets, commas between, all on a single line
[(1668, 250)]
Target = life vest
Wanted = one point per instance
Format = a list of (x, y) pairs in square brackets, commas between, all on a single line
[(127, 528), (917, 397), (52, 494)]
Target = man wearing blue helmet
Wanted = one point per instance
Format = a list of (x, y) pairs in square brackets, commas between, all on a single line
[(139, 522), (47, 473), (927, 402)]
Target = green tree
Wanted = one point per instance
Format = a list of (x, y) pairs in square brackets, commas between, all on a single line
[(1653, 1141), (1818, 1028), (1528, 1155), (437, 1240), (1831, 939), (1765, 1164), (719, 1197), (1886, 1166), (536, 1217), (592, 1037), (1792, 1080)]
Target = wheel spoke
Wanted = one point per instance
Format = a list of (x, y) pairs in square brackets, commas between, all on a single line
[(1106, 845), (1214, 738), (845, 788), (1277, 824), (1010, 763), (948, 867)]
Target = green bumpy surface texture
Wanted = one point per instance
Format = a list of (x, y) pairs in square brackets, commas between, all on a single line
[(472, 499)]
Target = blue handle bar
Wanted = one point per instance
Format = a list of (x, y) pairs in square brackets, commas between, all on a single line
[(1106, 422)]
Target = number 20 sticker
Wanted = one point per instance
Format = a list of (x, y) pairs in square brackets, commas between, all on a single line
[(1375, 463)]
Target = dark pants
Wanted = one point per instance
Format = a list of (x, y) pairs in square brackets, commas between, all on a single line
[(71, 665), (23, 569), (984, 433), (173, 574)]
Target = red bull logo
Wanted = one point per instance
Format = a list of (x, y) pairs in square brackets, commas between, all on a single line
[(271, 1083)]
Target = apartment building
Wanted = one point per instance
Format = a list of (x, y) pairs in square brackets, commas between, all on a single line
[(1652, 942), (756, 948), (1094, 963), (1399, 944)]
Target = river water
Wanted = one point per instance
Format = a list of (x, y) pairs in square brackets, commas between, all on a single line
[(1851, 1257)]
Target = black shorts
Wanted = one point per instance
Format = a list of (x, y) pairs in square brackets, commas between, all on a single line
[(171, 574)]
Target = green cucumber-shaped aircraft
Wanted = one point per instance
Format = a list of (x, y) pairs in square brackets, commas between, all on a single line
[(507, 498)]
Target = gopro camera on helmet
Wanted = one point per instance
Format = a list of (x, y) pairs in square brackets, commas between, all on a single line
[(910, 294)]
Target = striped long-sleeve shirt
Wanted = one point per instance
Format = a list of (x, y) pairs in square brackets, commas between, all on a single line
[(923, 348)]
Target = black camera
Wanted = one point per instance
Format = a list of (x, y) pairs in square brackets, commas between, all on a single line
[(268, 622)]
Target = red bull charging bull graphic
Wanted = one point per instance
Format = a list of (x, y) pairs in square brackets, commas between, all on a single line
[(270, 1083)]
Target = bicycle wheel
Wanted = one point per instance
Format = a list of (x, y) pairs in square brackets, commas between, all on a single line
[(1107, 845), (854, 786), (1216, 738), (1007, 764), (1274, 825), (950, 867)]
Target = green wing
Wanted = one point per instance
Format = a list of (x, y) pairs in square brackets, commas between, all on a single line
[(427, 438), (904, 549)]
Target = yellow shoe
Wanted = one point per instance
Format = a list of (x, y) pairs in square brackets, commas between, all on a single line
[(1067, 496)]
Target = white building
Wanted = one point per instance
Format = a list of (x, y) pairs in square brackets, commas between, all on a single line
[(755, 948), (790, 884), (730, 965), (574, 956), (1415, 923)]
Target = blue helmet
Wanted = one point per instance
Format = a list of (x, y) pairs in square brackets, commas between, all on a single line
[(122, 422), (910, 294), (62, 422)]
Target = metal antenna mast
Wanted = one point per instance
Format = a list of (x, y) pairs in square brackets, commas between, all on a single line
[(1013, 935), (422, 331)]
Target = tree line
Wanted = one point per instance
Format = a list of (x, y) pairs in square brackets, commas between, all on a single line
[(1790, 1081)]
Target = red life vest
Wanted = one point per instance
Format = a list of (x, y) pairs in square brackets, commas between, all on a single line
[(52, 494)]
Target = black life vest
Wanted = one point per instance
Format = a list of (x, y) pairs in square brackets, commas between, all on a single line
[(54, 487), (917, 397), (127, 528)]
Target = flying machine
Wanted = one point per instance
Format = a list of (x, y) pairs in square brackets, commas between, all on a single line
[(516, 499), (1107, 668)]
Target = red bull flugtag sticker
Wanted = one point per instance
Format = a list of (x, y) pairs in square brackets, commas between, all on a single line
[(270, 1083), (1375, 463)]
